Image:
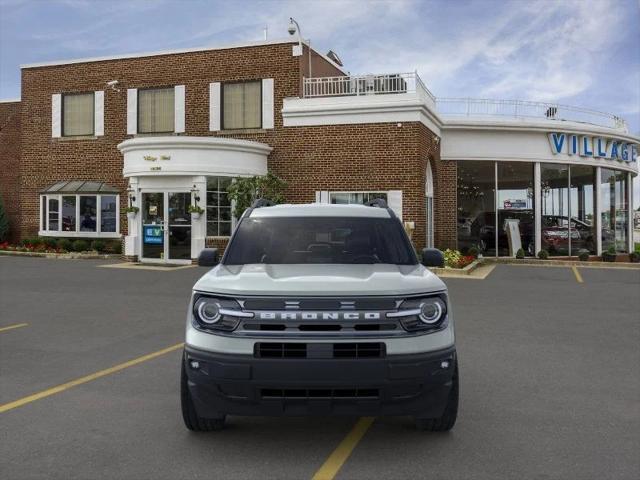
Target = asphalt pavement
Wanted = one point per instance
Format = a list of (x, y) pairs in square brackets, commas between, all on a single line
[(549, 367)]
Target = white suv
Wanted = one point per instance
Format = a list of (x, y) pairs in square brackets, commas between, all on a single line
[(320, 310)]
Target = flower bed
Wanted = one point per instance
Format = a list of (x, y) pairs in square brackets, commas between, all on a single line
[(454, 259), (48, 245)]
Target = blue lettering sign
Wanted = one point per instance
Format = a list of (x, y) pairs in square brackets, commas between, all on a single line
[(614, 155), (557, 142), (601, 150), (586, 147), (153, 235), (573, 146)]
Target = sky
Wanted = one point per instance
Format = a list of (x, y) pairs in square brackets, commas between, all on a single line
[(576, 52)]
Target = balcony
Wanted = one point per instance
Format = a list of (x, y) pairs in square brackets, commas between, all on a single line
[(404, 86)]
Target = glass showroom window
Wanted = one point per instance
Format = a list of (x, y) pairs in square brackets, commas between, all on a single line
[(156, 110), (582, 209), (477, 206), (242, 105), (614, 210), (554, 180), (345, 198), (78, 215), (515, 204), (77, 114), (218, 207)]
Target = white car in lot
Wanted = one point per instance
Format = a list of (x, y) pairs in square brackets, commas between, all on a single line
[(320, 310)]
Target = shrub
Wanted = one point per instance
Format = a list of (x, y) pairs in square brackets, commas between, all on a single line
[(98, 245), (520, 253), (48, 242), (473, 251), (116, 247), (65, 244), (583, 255), (4, 223), (80, 246), (634, 257), (452, 258), (245, 190), (543, 254)]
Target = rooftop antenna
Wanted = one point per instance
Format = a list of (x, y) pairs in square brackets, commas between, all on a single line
[(266, 32)]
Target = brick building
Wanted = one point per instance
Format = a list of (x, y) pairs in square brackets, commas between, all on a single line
[(168, 130)]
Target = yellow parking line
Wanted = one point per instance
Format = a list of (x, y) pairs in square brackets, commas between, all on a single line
[(577, 274), (88, 378), (332, 465), (11, 327)]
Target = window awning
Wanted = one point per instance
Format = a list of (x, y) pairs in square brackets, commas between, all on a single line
[(80, 186)]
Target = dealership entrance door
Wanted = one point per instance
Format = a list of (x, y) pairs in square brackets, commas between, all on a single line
[(166, 227)]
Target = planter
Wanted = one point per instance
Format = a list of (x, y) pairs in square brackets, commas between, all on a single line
[(195, 215), (609, 257), (634, 257), (131, 216)]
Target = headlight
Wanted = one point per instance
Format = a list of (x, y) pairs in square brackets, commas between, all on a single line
[(432, 310), (215, 313), (426, 313)]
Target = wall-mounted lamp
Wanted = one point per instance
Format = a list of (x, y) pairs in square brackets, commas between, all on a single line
[(195, 192), (132, 197)]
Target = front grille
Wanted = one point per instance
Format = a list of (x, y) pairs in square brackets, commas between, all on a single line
[(326, 393), (319, 350), (319, 304), (345, 327)]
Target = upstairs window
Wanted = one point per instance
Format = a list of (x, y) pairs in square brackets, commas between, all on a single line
[(156, 110), (78, 114), (242, 105)]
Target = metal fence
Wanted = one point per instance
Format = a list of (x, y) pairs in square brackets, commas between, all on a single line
[(356, 85), (474, 107)]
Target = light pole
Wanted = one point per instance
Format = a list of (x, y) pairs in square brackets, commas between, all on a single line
[(293, 28)]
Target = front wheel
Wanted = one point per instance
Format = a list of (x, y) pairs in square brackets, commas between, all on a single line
[(191, 419), (448, 418)]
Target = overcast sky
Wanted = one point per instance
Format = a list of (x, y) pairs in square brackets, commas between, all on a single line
[(579, 52)]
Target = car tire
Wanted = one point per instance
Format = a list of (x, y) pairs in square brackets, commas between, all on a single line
[(447, 420), (191, 419)]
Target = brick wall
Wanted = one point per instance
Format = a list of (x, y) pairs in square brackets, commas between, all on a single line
[(338, 157), (10, 164)]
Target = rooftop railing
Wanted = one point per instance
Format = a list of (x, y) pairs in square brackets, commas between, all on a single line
[(357, 85), (477, 107), (399, 83)]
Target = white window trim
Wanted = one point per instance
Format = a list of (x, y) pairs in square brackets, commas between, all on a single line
[(78, 233), (234, 220)]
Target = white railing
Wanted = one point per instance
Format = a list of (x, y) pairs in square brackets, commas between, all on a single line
[(355, 85), (474, 107)]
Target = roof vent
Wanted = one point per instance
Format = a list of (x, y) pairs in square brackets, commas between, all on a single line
[(333, 56)]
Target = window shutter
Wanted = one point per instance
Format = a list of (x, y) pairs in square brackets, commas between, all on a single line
[(267, 103), (394, 200), (179, 108), (132, 111), (98, 111), (56, 115), (214, 106)]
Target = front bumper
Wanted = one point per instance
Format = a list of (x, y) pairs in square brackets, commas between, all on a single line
[(415, 384)]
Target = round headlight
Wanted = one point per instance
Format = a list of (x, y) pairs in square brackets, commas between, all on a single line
[(431, 311), (208, 310)]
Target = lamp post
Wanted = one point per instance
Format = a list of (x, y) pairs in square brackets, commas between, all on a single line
[(293, 28)]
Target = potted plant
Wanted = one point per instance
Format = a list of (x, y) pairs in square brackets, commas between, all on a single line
[(543, 254), (195, 211), (610, 254), (520, 253), (131, 212), (635, 255), (583, 255)]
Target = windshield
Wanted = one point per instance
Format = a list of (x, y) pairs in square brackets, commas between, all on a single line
[(304, 240)]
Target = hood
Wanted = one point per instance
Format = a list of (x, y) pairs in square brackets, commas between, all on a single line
[(319, 280)]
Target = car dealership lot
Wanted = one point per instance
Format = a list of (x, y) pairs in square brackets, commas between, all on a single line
[(550, 383)]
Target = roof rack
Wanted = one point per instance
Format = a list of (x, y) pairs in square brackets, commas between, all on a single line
[(262, 202), (377, 202)]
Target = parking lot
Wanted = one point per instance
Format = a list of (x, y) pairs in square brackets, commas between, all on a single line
[(549, 365)]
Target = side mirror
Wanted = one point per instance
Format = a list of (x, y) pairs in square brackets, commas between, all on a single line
[(432, 257), (208, 257)]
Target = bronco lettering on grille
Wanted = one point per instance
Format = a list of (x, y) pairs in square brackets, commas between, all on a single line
[(319, 315)]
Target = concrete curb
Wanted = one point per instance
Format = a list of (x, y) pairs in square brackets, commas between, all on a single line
[(462, 271), (64, 256), (563, 263)]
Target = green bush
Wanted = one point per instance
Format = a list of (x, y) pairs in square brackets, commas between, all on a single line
[(48, 242), (473, 251), (452, 258), (98, 245), (583, 255), (80, 246), (115, 247), (35, 241), (543, 254), (4, 223), (634, 257), (65, 244), (520, 253), (245, 190), (611, 250)]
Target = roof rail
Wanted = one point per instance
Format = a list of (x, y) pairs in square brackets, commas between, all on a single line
[(377, 202), (262, 202)]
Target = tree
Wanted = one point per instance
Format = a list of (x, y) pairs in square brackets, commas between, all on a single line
[(245, 190), (4, 223)]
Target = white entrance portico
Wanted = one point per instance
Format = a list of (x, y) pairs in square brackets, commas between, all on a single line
[(167, 175)]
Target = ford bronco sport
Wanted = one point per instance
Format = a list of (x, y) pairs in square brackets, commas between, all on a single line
[(319, 310)]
